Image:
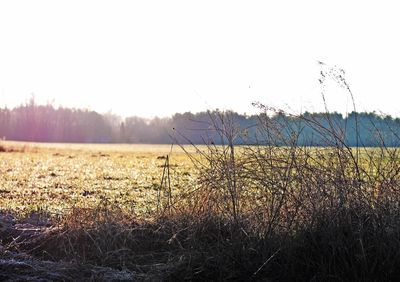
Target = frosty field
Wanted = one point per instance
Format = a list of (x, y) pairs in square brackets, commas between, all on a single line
[(54, 178)]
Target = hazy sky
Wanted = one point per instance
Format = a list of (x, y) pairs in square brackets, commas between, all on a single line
[(152, 58)]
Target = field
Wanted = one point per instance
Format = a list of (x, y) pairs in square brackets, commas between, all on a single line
[(152, 213), (54, 178), (45, 185)]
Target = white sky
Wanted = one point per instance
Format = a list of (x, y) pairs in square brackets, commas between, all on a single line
[(151, 58)]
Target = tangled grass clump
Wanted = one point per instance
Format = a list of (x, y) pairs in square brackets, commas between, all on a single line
[(300, 212)]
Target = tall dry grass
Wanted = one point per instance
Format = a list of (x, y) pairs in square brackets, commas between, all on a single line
[(270, 211), (290, 212)]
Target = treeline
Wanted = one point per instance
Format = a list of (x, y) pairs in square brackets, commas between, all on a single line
[(45, 123)]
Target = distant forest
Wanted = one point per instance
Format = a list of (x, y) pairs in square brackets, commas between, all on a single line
[(45, 123)]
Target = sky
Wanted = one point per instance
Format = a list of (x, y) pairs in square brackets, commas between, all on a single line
[(154, 58)]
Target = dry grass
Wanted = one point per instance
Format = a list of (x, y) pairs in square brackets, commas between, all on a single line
[(56, 178), (273, 211), (254, 213)]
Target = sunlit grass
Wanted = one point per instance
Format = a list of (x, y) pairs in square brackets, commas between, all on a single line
[(301, 208), (57, 177)]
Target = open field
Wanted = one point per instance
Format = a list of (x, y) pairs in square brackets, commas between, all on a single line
[(247, 213), (54, 178)]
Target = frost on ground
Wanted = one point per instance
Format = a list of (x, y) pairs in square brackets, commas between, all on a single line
[(22, 267), (17, 265)]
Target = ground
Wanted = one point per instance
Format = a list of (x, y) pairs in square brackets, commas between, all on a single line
[(41, 183), (53, 178)]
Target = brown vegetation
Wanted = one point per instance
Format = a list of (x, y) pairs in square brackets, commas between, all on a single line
[(260, 212), (273, 211)]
